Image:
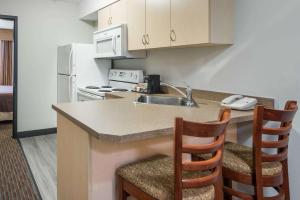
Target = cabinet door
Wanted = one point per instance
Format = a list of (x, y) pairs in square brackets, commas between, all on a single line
[(190, 22), (118, 12), (158, 23), (104, 18), (136, 24)]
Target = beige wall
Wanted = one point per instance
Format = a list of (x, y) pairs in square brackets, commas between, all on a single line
[(43, 25), (6, 34)]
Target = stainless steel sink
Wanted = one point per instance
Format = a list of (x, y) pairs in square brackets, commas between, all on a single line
[(164, 100)]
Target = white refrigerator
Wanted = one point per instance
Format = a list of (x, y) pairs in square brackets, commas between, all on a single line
[(76, 67)]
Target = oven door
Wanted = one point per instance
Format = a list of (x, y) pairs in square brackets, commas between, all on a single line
[(82, 96)]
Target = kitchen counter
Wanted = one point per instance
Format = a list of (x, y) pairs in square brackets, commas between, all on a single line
[(119, 119), (97, 137)]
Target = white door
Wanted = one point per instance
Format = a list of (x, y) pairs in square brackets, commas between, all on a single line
[(66, 88), (65, 60)]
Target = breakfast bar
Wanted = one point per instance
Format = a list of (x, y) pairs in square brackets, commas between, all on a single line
[(96, 137)]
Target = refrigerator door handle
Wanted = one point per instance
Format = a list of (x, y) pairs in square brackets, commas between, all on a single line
[(70, 62), (70, 89)]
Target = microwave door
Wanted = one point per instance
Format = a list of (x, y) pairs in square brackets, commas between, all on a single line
[(106, 47)]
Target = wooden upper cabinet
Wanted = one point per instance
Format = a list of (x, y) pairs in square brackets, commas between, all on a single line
[(157, 23), (119, 12), (201, 22), (136, 24), (189, 22), (104, 18), (164, 23), (113, 14)]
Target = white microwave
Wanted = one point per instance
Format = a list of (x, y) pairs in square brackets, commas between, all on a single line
[(112, 43)]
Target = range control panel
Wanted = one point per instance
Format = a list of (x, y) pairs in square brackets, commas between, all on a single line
[(129, 76)]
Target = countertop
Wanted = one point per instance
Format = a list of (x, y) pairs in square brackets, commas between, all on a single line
[(120, 120)]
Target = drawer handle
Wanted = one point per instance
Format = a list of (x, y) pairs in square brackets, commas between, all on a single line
[(173, 35)]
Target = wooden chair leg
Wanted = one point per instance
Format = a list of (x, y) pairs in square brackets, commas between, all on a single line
[(227, 183), (258, 192), (285, 185), (122, 195), (219, 189)]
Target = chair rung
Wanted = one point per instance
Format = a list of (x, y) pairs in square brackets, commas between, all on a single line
[(203, 165), (275, 144), (279, 196), (206, 148), (277, 131), (241, 195), (275, 158)]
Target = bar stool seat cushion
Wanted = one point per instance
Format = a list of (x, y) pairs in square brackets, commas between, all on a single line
[(239, 158), (155, 176)]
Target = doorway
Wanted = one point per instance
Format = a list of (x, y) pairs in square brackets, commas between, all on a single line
[(8, 71)]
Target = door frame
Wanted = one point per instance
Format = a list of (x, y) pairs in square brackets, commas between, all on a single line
[(15, 70)]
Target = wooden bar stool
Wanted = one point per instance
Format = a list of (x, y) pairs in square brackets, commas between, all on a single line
[(252, 166), (164, 178)]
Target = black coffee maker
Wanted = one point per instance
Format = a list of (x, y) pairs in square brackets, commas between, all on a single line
[(153, 82)]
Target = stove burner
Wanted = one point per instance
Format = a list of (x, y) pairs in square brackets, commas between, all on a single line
[(92, 87), (119, 90), (104, 90), (106, 86)]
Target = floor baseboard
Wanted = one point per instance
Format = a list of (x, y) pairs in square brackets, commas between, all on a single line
[(39, 132)]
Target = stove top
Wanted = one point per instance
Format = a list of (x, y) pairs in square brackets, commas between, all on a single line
[(106, 86), (92, 87), (101, 90), (118, 81), (105, 90), (119, 90)]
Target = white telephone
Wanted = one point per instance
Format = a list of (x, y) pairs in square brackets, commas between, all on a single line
[(239, 102)]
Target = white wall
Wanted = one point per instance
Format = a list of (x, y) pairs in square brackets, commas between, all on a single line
[(265, 61), (43, 25)]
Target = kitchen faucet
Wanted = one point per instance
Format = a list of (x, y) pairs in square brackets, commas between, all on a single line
[(188, 95)]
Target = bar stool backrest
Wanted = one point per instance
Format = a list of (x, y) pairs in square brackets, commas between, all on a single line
[(285, 118), (214, 130)]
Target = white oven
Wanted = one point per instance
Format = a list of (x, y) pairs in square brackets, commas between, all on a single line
[(112, 43)]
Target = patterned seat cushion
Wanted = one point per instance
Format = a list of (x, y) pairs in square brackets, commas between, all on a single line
[(155, 176), (239, 158)]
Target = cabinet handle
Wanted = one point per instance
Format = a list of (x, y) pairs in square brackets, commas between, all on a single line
[(144, 40), (110, 20), (147, 39), (173, 35)]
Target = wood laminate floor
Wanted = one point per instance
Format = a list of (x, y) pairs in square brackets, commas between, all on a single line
[(41, 155)]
